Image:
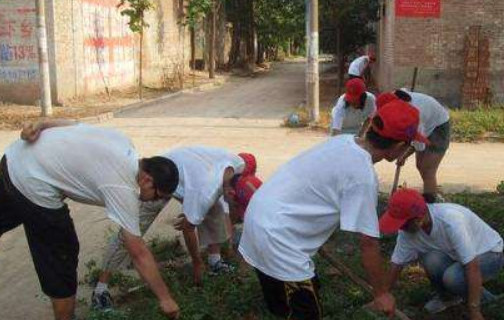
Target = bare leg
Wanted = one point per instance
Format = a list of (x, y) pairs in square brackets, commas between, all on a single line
[(63, 308), (428, 164)]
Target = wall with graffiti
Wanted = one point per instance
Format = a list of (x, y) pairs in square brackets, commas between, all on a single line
[(18, 43), (109, 46), (91, 48)]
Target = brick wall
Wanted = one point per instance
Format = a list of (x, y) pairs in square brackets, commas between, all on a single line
[(91, 49), (436, 46)]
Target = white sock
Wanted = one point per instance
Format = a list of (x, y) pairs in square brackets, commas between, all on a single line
[(213, 258), (101, 288)]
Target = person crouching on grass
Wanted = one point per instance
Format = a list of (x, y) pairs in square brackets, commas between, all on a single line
[(435, 124), (331, 185), (213, 183), (457, 249), (353, 109)]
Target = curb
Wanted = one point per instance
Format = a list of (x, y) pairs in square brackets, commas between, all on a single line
[(145, 103)]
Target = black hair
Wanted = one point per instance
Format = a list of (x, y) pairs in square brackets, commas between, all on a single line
[(403, 95), (163, 171), (376, 139), (362, 101)]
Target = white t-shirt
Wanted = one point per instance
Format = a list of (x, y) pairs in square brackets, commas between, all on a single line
[(201, 170), (87, 164), (349, 118), (456, 231), (294, 213), (432, 115), (358, 66)]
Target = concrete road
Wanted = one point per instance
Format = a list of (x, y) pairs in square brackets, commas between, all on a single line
[(242, 115)]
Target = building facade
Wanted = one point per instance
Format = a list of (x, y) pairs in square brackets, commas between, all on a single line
[(457, 46)]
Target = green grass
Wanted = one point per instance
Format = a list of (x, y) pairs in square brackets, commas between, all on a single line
[(474, 125), (238, 296)]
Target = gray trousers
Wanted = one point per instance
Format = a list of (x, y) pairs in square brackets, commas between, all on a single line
[(213, 230)]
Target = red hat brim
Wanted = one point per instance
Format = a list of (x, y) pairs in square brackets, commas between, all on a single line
[(389, 224)]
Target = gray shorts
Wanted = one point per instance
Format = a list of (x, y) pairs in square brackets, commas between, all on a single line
[(439, 139), (213, 230)]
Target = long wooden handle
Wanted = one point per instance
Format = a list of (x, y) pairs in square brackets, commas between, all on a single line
[(356, 279), (396, 179)]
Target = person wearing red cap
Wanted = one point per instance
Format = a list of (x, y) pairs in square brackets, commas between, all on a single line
[(331, 185), (457, 249), (214, 185), (359, 66), (435, 124), (353, 110)]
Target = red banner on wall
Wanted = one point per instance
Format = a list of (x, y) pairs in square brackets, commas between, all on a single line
[(418, 8)]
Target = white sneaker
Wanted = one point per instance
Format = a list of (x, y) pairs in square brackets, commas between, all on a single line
[(437, 304)]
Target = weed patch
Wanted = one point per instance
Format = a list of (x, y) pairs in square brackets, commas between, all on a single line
[(238, 296)]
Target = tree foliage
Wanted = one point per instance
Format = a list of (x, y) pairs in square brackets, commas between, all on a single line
[(353, 19), (279, 21), (135, 11), (197, 10)]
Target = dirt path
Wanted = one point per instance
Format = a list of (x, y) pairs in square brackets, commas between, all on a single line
[(243, 115)]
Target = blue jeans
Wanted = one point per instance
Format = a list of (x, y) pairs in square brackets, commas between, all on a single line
[(448, 276)]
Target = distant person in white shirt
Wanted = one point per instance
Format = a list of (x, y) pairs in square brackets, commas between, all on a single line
[(457, 249), (435, 125), (332, 185), (360, 66), (213, 183), (353, 110), (58, 159)]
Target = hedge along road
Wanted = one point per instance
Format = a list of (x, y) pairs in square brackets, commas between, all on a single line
[(242, 115)]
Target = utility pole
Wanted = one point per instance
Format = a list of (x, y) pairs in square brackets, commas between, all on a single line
[(312, 74), (45, 81)]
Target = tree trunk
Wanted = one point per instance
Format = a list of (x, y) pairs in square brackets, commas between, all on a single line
[(260, 53), (193, 48), (251, 56), (211, 45), (341, 60)]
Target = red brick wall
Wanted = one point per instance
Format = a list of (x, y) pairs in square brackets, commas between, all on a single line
[(436, 46)]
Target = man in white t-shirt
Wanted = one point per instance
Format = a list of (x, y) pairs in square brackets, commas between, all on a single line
[(57, 160), (353, 110), (210, 183), (435, 125), (359, 66), (458, 250), (331, 185)]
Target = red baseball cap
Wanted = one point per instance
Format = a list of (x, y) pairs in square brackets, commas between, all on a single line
[(354, 89), (400, 122), (250, 163), (245, 188), (385, 98), (405, 204)]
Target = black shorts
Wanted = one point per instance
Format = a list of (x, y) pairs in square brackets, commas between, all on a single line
[(292, 300), (51, 237)]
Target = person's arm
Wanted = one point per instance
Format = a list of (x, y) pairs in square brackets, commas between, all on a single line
[(364, 128), (402, 159), (372, 263), (192, 244), (31, 131), (394, 274), (146, 266), (474, 283)]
